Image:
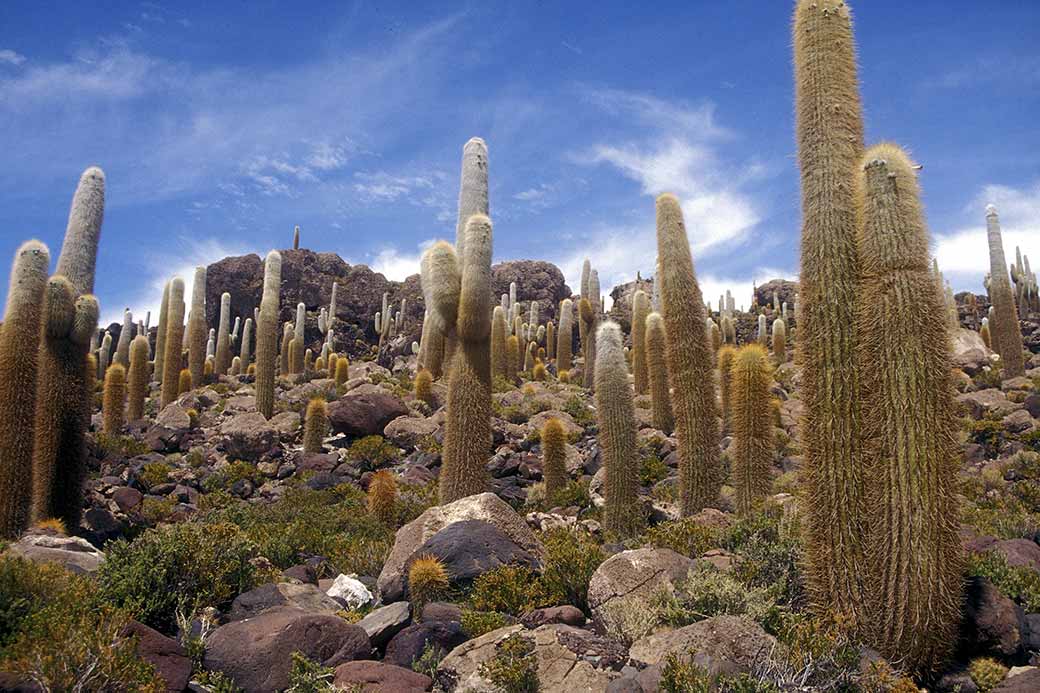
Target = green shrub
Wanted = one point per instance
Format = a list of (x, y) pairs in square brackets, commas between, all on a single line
[(1019, 583), (226, 477), (681, 676), (770, 557), (652, 470), (708, 592), (513, 668), (687, 537), (579, 410), (307, 676), (122, 446), (156, 510), (989, 433), (987, 673), (508, 589), (573, 494), (218, 682), (429, 660), (154, 473), (178, 568), (477, 623), (571, 557), (1003, 515), (373, 452)]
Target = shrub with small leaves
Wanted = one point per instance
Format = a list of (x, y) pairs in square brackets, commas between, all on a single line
[(571, 557), (374, 451), (308, 676), (513, 669), (508, 589), (987, 673), (476, 623)]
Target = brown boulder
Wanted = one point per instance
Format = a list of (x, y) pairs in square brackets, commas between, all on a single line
[(536, 280), (166, 655), (365, 414), (380, 677)]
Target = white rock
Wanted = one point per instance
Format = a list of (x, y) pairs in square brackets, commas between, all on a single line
[(350, 592)]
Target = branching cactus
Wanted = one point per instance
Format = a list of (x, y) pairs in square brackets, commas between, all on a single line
[(1007, 336), (830, 145), (913, 566), (565, 340), (554, 458), (640, 309), (689, 362), (174, 338), (498, 343), (267, 334), (19, 334), (198, 332), (657, 373), (615, 413), (462, 302), (137, 386), (222, 357), (751, 454)]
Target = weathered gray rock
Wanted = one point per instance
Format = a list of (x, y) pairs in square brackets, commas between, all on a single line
[(1027, 681), (384, 623), (736, 640), (72, 553), (173, 416), (407, 431), (364, 413), (989, 401), (471, 548), (248, 436), (305, 596)]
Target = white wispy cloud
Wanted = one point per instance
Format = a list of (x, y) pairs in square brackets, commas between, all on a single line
[(395, 265), (11, 57), (383, 186), (963, 254)]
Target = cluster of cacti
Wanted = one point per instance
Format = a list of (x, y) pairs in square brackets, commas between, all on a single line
[(457, 287), (267, 334), (1027, 297), (751, 453), (615, 413), (316, 425), (689, 361), (1004, 329)]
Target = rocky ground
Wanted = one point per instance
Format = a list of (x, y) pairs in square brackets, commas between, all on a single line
[(240, 562)]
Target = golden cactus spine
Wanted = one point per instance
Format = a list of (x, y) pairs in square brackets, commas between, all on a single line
[(1004, 329), (616, 415), (174, 339), (640, 309), (913, 564), (751, 453), (689, 361), (657, 373), (160, 334), (342, 370), (316, 425), (198, 333), (830, 144), (137, 378), (267, 334), (19, 335), (113, 401), (565, 338), (554, 457), (498, 343), (222, 356), (184, 381)]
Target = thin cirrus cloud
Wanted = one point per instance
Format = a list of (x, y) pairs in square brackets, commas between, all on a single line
[(10, 57)]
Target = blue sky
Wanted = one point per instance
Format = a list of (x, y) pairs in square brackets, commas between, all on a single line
[(221, 125)]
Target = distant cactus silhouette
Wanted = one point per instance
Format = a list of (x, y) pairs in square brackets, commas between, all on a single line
[(1006, 334), (267, 334)]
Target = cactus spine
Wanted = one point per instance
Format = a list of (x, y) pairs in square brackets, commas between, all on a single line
[(138, 376), (123, 345), (657, 373), (565, 339), (498, 343), (114, 400), (912, 555), (174, 339), (160, 333), (830, 145), (640, 309), (19, 334), (554, 458), (1007, 336), (752, 451), (222, 357), (316, 425), (267, 334), (198, 333), (689, 361), (616, 413)]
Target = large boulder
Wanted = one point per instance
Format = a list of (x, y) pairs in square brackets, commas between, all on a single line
[(731, 642), (365, 413), (257, 652), (72, 553), (471, 548), (621, 309), (166, 655), (993, 624), (380, 677), (1026, 681), (303, 596), (248, 436), (408, 645), (990, 401), (785, 292), (630, 580), (569, 660), (384, 623), (483, 506), (536, 280)]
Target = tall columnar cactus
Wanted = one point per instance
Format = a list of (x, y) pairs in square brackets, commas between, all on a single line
[(657, 373), (222, 357), (554, 457), (247, 339), (616, 415), (198, 332), (550, 339), (779, 340), (498, 343), (296, 238), (211, 344), (267, 334), (751, 453), (137, 386), (174, 339), (19, 335), (298, 355), (763, 332), (689, 361), (565, 338), (984, 332), (640, 309), (588, 319), (160, 334), (913, 563), (285, 352), (316, 425), (729, 330), (462, 301), (830, 145), (64, 392), (113, 401), (512, 358), (105, 353), (1007, 336), (725, 362), (122, 356), (79, 251)]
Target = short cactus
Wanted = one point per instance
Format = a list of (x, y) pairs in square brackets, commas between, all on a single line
[(137, 378), (267, 334), (512, 358), (538, 371), (657, 373), (316, 425), (342, 373), (113, 406), (423, 387), (184, 381), (427, 581), (751, 453), (554, 457), (174, 339)]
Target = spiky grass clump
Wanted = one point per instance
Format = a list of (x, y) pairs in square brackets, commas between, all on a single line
[(316, 425), (689, 361), (554, 457), (114, 400), (751, 453), (382, 497), (267, 335), (137, 387), (830, 144), (424, 387), (184, 381), (19, 335), (657, 373), (640, 309), (342, 370), (913, 563), (174, 340), (427, 581), (615, 413)]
